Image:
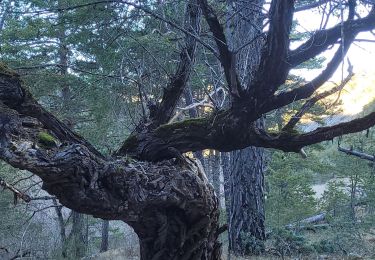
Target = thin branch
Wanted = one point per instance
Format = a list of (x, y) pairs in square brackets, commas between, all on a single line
[(311, 102), (204, 103), (311, 6), (173, 24)]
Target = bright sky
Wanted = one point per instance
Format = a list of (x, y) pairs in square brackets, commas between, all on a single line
[(361, 54), (362, 57)]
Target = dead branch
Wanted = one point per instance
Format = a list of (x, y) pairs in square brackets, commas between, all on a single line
[(17, 193)]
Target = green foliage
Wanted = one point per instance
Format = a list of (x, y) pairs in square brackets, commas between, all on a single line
[(287, 243), (252, 245), (324, 246), (290, 196)]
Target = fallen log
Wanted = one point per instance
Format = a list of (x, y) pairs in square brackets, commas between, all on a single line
[(306, 221), (357, 154)]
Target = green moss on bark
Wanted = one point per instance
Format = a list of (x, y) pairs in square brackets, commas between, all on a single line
[(46, 139)]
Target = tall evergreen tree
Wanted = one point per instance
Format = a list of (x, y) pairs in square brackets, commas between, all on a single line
[(246, 213)]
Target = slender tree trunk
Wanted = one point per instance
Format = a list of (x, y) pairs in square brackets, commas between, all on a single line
[(79, 235), (60, 219), (193, 113), (225, 165), (105, 232), (215, 170)]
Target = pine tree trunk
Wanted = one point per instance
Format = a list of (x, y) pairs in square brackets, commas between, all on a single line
[(79, 235), (246, 177), (246, 211), (105, 231)]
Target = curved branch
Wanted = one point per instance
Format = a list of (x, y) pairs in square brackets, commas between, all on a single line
[(308, 89), (294, 143)]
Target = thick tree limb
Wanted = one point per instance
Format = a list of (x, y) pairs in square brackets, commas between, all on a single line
[(221, 132), (308, 89), (274, 56), (174, 90), (294, 144), (227, 57)]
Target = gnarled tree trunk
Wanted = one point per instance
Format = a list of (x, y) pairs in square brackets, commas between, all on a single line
[(169, 204)]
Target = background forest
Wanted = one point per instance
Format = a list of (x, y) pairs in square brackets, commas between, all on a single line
[(99, 68)]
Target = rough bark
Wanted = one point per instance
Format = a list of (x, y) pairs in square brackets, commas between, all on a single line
[(246, 211), (79, 237), (171, 206), (246, 216)]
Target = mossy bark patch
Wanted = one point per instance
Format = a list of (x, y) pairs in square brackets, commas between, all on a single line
[(46, 139)]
